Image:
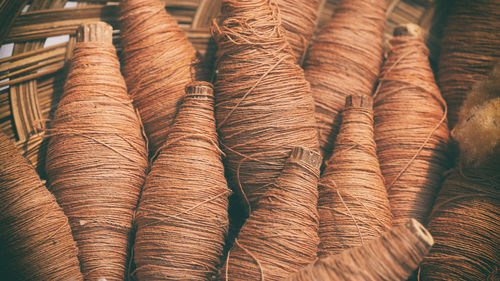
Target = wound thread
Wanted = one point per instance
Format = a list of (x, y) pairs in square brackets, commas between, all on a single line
[(280, 236), (410, 129), (36, 238), (263, 102), (182, 219), (156, 63), (353, 204), (97, 156), (344, 59)]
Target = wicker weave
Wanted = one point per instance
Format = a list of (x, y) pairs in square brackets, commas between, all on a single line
[(36, 74)]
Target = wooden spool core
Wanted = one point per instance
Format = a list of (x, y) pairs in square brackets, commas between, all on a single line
[(420, 231), (409, 29), (95, 32), (359, 101), (200, 89), (306, 156)]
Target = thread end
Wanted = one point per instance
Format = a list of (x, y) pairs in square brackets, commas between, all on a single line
[(95, 32)]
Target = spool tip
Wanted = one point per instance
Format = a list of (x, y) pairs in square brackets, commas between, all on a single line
[(420, 231), (409, 30), (95, 32), (200, 89), (307, 156), (360, 101)]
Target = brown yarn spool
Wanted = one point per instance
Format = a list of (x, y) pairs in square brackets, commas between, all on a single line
[(96, 156), (280, 236), (263, 102), (465, 222), (344, 59), (35, 234), (156, 63), (182, 217), (469, 48), (353, 205), (410, 127), (299, 19), (392, 257)]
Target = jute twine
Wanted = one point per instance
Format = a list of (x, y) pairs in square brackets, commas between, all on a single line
[(280, 236), (391, 257), (353, 204), (299, 19), (264, 104), (469, 48), (35, 235), (410, 127), (96, 156), (182, 217), (344, 59), (465, 222), (156, 63)]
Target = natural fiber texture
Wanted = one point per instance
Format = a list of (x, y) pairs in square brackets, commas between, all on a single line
[(96, 157), (478, 130), (35, 235), (392, 257), (263, 102), (299, 19), (280, 236), (182, 217), (344, 60), (465, 222), (469, 48), (410, 128), (353, 204), (156, 63)]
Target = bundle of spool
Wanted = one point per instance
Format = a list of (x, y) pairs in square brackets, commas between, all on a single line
[(141, 153)]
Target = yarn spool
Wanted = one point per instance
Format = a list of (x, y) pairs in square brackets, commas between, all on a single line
[(469, 48), (156, 64), (392, 257), (465, 223), (299, 19), (410, 127), (344, 59), (96, 156), (35, 234), (353, 205), (280, 236), (182, 217), (264, 104)]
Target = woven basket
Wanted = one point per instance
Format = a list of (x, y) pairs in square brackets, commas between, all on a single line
[(31, 79)]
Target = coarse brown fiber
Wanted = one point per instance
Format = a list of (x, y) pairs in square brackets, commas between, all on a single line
[(299, 19), (344, 59), (353, 205), (392, 257), (264, 104), (410, 127), (280, 236), (96, 156), (35, 235), (156, 63), (469, 48), (477, 131), (465, 223), (182, 219)]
